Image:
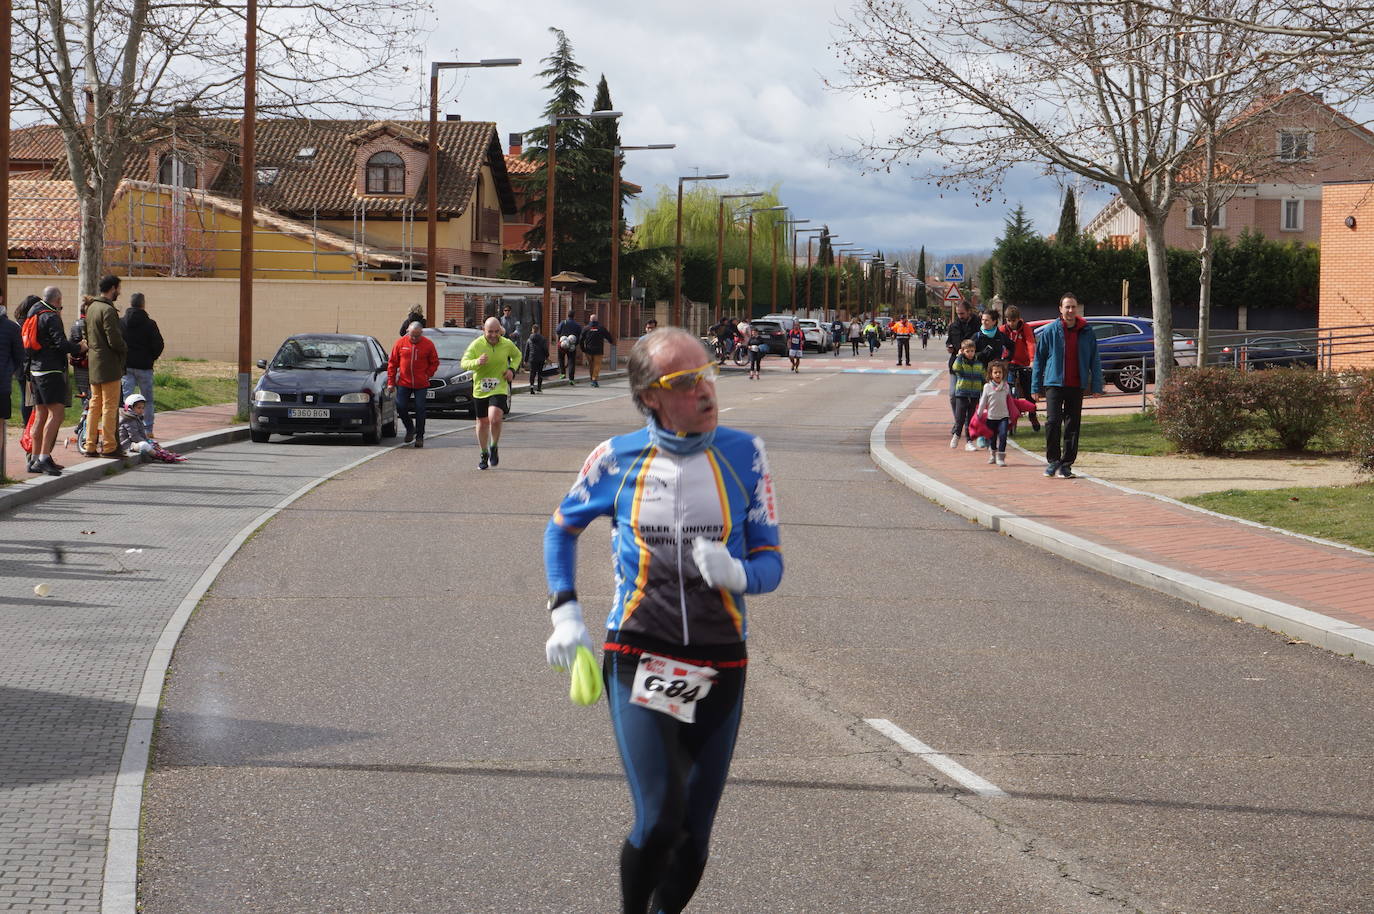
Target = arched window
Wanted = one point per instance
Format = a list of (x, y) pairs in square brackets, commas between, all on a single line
[(175, 170), (386, 174)]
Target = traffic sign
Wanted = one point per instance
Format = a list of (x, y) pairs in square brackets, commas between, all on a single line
[(954, 272), (953, 295), (736, 276), (736, 293)]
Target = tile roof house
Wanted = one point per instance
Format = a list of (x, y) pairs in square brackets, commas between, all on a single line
[(362, 181), (1275, 165)]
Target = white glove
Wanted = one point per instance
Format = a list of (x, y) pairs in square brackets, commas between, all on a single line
[(568, 632), (718, 567)]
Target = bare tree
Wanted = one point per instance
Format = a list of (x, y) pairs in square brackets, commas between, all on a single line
[(114, 74), (1092, 87)]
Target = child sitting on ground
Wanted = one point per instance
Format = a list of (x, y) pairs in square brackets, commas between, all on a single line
[(133, 437), (969, 376)]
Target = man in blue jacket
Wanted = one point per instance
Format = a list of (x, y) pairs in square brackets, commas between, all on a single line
[(1067, 365)]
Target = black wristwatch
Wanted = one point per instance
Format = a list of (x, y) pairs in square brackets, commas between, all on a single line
[(558, 598)]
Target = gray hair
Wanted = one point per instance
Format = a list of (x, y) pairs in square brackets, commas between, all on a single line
[(413, 324), (52, 294), (643, 367)]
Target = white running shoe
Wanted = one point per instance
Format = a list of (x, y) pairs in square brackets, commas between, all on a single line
[(970, 446), (992, 457), (953, 440), (1001, 460)]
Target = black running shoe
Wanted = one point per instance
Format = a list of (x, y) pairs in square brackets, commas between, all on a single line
[(495, 455), (483, 464)]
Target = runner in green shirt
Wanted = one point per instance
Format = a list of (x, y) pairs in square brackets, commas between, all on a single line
[(493, 360)]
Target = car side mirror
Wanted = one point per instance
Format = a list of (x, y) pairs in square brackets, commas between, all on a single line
[(262, 363)]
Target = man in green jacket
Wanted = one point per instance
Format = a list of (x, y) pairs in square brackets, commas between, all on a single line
[(493, 360), (107, 354)]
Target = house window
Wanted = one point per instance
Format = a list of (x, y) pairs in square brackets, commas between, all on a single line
[(386, 174), (1196, 215), (268, 176), (176, 171), (1292, 215), (1295, 145)]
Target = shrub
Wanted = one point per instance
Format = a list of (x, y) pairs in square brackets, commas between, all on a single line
[(1298, 402), (1201, 409), (1356, 427)]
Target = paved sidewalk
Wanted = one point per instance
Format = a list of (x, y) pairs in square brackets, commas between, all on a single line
[(119, 555), (1266, 576)]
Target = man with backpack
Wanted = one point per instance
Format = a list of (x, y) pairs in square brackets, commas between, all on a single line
[(145, 345), (47, 349), (593, 342)]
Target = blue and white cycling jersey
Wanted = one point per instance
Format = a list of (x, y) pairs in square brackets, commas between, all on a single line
[(658, 503)]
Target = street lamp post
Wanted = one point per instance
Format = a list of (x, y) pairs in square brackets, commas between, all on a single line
[(432, 173), (249, 172), (614, 322), (749, 264), (824, 231), (793, 267), (675, 309), (825, 283), (720, 244), (550, 165), (838, 256)]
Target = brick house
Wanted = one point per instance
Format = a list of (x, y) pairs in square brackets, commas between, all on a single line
[(351, 184), (1289, 146), (1347, 271)]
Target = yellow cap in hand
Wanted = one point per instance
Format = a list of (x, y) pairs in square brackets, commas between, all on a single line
[(585, 688)]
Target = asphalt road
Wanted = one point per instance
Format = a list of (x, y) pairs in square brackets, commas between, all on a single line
[(359, 717)]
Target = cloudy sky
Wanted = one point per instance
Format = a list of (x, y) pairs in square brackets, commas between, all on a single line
[(739, 86)]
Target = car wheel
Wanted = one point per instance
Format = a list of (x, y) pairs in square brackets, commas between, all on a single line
[(1130, 379), (258, 437), (374, 434)]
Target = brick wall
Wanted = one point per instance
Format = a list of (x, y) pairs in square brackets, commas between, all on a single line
[(1347, 263)]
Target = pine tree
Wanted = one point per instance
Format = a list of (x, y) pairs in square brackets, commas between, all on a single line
[(582, 205), (1018, 226), (921, 265), (1068, 220)]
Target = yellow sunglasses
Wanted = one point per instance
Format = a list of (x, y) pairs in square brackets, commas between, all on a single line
[(689, 378)]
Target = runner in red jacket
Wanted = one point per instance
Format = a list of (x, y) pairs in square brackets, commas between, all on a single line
[(413, 362)]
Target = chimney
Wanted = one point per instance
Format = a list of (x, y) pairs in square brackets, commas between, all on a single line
[(453, 117), (517, 143)]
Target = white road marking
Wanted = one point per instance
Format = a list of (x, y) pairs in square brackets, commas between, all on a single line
[(943, 763), (727, 409)]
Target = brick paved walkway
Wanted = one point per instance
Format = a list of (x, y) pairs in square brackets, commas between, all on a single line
[(74, 661), (1334, 582)]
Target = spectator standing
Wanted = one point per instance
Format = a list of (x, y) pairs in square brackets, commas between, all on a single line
[(510, 327), (568, 333), (755, 344), (963, 327), (11, 367), (536, 356), (416, 313), (48, 377), (107, 352), (145, 344), (1067, 365), (81, 364), (1022, 353), (26, 402), (650, 326), (968, 375), (593, 342), (412, 363)]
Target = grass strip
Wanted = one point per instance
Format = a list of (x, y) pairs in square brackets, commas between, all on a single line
[(1344, 514)]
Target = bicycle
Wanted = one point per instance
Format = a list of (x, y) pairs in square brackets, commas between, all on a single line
[(739, 352)]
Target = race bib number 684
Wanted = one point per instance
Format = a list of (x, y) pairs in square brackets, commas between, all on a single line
[(670, 686)]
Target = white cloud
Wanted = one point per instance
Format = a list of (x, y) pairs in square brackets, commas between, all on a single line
[(739, 86)]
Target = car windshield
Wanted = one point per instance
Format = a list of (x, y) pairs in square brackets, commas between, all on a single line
[(309, 353), (768, 327), (452, 345)]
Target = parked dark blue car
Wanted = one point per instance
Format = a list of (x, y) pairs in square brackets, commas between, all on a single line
[(324, 382), (1127, 347)]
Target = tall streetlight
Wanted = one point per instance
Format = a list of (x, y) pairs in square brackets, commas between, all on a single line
[(432, 176), (249, 176), (833, 241), (749, 276), (675, 309), (720, 244), (806, 232), (550, 165), (793, 273), (616, 154), (839, 269)]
